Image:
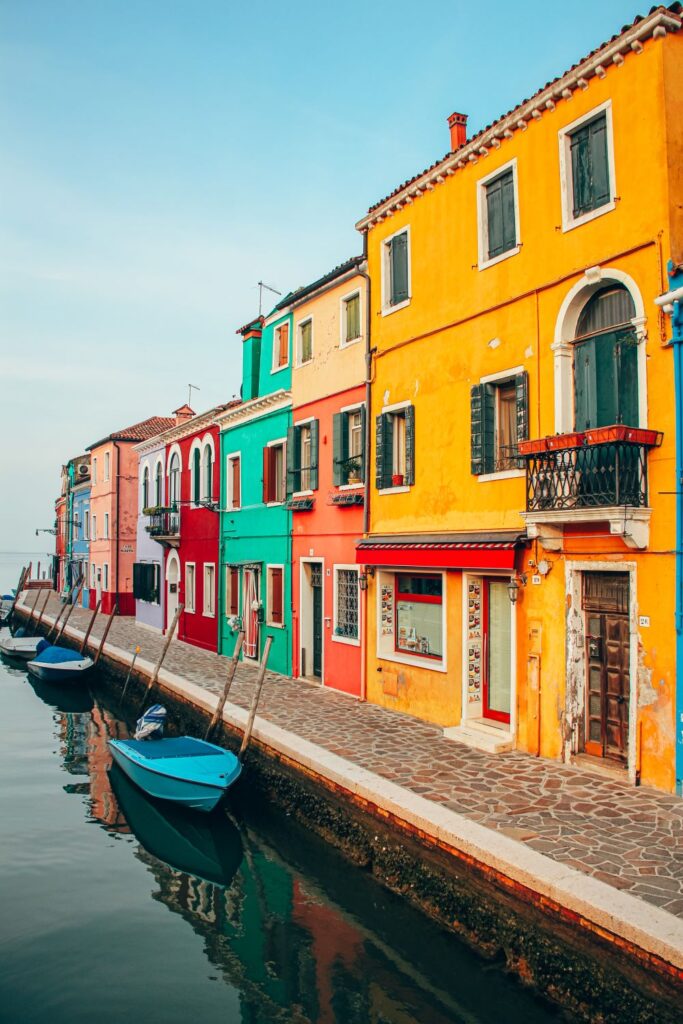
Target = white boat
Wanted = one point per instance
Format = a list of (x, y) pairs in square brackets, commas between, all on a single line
[(24, 647), (56, 664)]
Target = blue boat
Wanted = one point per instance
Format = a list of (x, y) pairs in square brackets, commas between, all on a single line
[(184, 770), (54, 664)]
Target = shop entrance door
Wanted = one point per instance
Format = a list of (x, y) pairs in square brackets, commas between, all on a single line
[(497, 621), (608, 683)]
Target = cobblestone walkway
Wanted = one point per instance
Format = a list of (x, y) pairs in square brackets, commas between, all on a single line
[(629, 838)]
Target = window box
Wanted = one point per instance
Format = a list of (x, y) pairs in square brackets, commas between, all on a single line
[(604, 435), (648, 438), (539, 444), (574, 439)]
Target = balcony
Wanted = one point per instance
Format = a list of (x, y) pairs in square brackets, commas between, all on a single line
[(164, 525), (599, 476)]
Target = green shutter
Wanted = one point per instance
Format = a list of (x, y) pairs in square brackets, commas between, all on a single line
[(384, 437), (598, 159), (627, 368), (196, 492), (410, 446), (314, 455), (482, 428), (500, 215), (292, 461), (590, 167), (363, 421), (585, 380), (522, 394), (508, 196), (579, 148), (399, 268), (137, 582), (338, 424)]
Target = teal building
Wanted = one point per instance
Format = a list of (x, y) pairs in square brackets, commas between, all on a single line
[(255, 523)]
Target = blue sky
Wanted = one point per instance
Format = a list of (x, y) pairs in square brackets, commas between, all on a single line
[(159, 158)]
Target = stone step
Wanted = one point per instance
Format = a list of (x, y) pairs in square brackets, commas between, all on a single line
[(489, 740)]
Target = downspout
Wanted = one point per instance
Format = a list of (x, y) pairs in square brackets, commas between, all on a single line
[(118, 542), (672, 303), (366, 458)]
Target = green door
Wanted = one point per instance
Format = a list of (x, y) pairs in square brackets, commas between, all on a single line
[(317, 588), (606, 380)]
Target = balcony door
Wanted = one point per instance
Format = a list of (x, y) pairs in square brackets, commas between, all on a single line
[(606, 361)]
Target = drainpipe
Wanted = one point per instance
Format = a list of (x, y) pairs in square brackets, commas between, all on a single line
[(366, 458), (672, 303), (118, 540)]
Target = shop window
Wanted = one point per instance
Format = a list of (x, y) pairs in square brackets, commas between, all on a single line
[(395, 448), (419, 620), (499, 421), (348, 435)]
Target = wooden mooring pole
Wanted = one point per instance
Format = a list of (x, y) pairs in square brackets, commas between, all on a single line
[(167, 643), (68, 614), (20, 587), (90, 626), (130, 671), (257, 693), (34, 606), (42, 610), (53, 627), (107, 627), (232, 668)]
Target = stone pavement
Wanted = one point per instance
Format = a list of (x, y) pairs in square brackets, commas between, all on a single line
[(630, 839)]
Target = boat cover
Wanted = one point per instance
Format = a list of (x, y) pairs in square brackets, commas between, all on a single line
[(180, 746), (151, 724), (57, 656)]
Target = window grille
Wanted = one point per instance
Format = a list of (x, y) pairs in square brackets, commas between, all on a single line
[(347, 604)]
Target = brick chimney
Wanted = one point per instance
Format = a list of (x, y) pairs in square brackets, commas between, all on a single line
[(183, 414), (458, 126)]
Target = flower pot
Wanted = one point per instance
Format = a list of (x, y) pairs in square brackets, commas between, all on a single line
[(539, 444), (397, 480), (606, 435), (649, 438), (353, 478), (574, 439)]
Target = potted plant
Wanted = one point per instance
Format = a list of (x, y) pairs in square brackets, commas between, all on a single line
[(353, 470), (397, 480)]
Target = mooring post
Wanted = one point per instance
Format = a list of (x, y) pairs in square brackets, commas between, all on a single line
[(45, 604), (35, 603), (107, 627), (167, 643), (257, 693), (68, 614), (232, 668), (53, 627), (20, 587), (130, 670), (90, 626)]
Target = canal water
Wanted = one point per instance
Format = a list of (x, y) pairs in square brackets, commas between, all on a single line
[(115, 908)]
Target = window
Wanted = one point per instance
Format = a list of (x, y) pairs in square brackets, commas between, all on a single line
[(396, 271), (209, 590), (105, 576), (174, 480), (418, 618), (93, 575), (587, 167), (498, 215), (275, 597), (94, 470), (350, 319), (158, 485), (146, 578), (274, 473), (234, 482), (346, 603), (107, 457), (305, 337), (348, 435), (281, 346), (145, 487), (232, 591), (190, 587), (105, 535), (499, 411), (395, 448), (94, 528), (302, 457), (207, 459), (196, 476), (86, 524)]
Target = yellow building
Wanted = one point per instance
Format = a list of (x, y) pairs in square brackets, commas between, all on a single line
[(522, 596)]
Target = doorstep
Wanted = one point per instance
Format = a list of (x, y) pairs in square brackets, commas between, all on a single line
[(482, 735)]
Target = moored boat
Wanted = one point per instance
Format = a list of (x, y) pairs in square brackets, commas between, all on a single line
[(6, 605), (24, 647), (54, 664), (183, 770)]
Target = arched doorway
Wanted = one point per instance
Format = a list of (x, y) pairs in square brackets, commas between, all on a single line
[(605, 361), (172, 587)]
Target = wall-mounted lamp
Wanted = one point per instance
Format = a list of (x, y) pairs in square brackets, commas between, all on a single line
[(513, 586), (365, 575)]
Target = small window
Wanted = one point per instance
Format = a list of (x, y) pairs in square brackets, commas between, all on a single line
[(105, 577), (419, 620), (145, 487), (305, 342), (106, 465), (106, 526), (302, 470), (499, 421), (305, 458), (395, 448), (234, 482), (274, 473), (190, 587), (396, 270), (86, 525), (275, 598), (146, 577), (209, 590), (94, 528), (348, 431), (587, 167), (346, 604), (207, 474), (281, 346), (232, 591), (499, 231), (158, 485), (351, 319), (94, 470), (196, 476)]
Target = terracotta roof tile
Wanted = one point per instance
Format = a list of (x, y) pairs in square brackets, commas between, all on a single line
[(139, 431)]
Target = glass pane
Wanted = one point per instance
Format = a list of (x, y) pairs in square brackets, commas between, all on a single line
[(500, 647), (419, 628)]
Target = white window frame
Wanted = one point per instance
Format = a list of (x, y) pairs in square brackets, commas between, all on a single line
[(495, 378), (482, 216), (105, 577), (272, 444), (301, 423), (349, 641), (274, 367), (191, 605), (299, 325), (569, 222), (196, 446), (269, 595), (207, 442), (93, 524), (346, 410), (159, 462), (94, 469), (107, 466), (385, 645), (387, 309), (229, 496), (404, 488), (86, 524), (209, 614), (343, 343), (105, 535), (228, 590)]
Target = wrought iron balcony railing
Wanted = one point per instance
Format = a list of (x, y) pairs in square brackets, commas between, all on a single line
[(587, 476), (164, 522)]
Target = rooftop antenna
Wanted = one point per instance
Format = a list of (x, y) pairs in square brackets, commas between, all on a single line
[(261, 286), (190, 388)]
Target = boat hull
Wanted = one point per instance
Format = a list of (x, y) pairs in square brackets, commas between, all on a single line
[(174, 779), (70, 672), (23, 648)]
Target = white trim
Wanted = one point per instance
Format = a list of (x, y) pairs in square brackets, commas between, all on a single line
[(349, 641), (207, 442), (569, 222), (343, 343), (229, 496), (504, 474), (297, 330), (276, 348), (509, 730), (190, 609), (206, 590), (143, 468), (302, 423), (482, 216), (396, 407), (403, 489), (195, 447), (491, 378), (174, 450), (429, 664), (158, 462), (269, 595), (387, 309), (254, 409), (354, 407), (311, 560)]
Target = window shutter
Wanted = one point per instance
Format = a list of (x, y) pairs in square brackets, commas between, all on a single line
[(384, 434), (156, 577), (292, 461), (364, 427), (522, 396), (581, 178), (314, 454), (197, 476), (494, 218), (234, 591), (399, 268), (266, 475), (284, 345), (585, 397), (597, 133), (338, 428), (236, 483), (477, 429), (508, 210), (276, 595), (137, 584), (410, 445)]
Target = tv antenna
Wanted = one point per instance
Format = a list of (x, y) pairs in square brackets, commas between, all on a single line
[(261, 286), (190, 389)]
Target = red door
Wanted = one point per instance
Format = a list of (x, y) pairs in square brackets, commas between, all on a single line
[(497, 630)]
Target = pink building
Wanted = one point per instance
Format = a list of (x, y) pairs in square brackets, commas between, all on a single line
[(114, 511)]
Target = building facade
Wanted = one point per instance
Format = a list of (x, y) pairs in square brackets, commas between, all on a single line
[(79, 555), (149, 575), (520, 549)]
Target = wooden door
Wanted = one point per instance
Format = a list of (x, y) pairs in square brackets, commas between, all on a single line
[(607, 665)]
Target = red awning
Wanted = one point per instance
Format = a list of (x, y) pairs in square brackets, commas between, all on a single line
[(481, 554)]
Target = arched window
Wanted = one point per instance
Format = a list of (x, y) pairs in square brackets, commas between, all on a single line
[(196, 476), (605, 351), (145, 487), (208, 473), (174, 480), (158, 485)]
